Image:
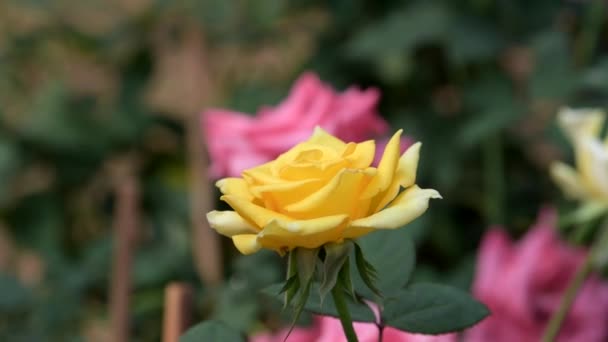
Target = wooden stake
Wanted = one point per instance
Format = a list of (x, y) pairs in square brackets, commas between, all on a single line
[(178, 300), (206, 242), (126, 222)]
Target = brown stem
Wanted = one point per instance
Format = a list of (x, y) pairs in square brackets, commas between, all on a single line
[(126, 221), (178, 297), (206, 243)]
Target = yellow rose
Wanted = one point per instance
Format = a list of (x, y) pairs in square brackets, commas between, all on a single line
[(589, 182), (322, 190)]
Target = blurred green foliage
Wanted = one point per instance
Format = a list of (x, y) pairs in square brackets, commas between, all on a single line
[(83, 84)]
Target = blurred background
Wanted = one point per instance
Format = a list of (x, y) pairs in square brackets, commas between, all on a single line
[(99, 106)]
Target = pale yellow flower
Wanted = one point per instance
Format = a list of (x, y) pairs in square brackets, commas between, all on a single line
[(589, 181), (322, 190)]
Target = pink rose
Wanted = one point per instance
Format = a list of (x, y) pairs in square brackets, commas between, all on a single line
[(237, 141), (522, 284), (329, 329)]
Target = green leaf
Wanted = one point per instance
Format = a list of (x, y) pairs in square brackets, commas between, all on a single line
[(392, 254), (14, 295), (10, 162), (427, 308), (470, 39), (231, 302), (400, 31), (554, 78), (597, 76), (495, 107), (360, 312), (336, 255), (211, 331)]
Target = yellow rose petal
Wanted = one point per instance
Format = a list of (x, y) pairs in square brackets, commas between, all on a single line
[(568, 180), (383, 198), (581, 122), (247, 243), (313, 233), (320, 170), (362, 155), (339, 196), (286, 193), (410, 204), (321, 191), (234, 187), (408, 164), (260, 175), (297, 186), (386, 168), (249, 211), (405, 177), (593, 165), (321, 137), (309, 160), (229, 223)]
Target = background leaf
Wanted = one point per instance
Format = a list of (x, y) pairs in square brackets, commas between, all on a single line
[(211, 331), (392, 254), (427, 308)]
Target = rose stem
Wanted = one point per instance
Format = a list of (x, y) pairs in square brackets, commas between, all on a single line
[(126, 220), (177, 311), (555, 324), (344, 314)]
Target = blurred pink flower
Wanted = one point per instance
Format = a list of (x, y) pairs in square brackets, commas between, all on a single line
[(329, 329), (522, 284), (237, 141)]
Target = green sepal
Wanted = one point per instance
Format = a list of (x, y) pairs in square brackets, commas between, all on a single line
[(292, 284), (299, 307), (587, 212), (301, 266), (336, 259), (367, 271), (290, 288), (346, 281), (306, 261)]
